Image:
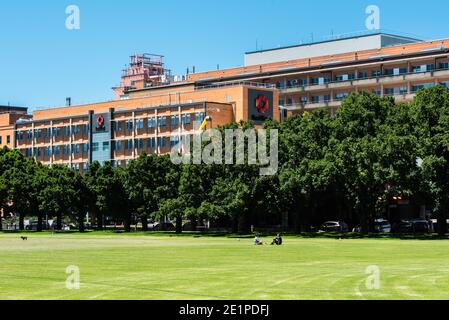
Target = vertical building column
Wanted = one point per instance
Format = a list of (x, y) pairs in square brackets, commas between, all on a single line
[(51, 142), (156, 131), (71, 142), (112, 134), (134, 134), (91, 116), (181, 124), (32, 142)]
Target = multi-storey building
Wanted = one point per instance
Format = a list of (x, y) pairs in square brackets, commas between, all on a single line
[(121, 130), (318, 75), (152, 118), (8, 117)]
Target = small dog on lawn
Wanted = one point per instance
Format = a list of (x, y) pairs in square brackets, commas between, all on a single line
[(24, 238)]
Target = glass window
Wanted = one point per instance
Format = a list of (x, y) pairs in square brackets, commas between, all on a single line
[(67, 131), (151, 123), (162, 121), (128, 144), (161, 142), (106, 146), (174, 141), (200, 116), (151, 143), (95, 146), (117, 145), (186, 119), (129, 125), (85, 147), (174, 121), (139, 124)]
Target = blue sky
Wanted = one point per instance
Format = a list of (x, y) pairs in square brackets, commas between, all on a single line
[(42, 63)]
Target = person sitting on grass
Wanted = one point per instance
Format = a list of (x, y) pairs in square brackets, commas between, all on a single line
[(257, 241), (277, 241)]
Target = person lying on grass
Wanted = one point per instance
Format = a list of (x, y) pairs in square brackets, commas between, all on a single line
[(277, 241)]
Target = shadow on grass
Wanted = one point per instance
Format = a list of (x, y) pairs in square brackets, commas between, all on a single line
[(192, 234)]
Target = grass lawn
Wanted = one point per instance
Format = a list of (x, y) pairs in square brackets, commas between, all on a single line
[(162, 267)]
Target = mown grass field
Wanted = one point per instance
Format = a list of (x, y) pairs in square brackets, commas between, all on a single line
[(162, 267)]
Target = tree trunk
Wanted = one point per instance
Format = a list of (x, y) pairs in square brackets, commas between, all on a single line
[(179, 225), (144, 220), (243, 227), (442, 221), (81, 226), (1, 222), (39, 223), (194, 223), (128, 223), (21, 222), (99, 218), (59, 221)]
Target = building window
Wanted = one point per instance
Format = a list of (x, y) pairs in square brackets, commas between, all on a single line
[(341, 96), (67, 131), (418, 87), (85, 147), (174, 141), (29, 134), (37, 152), (139, 124), (162, 142), (56, 132), (344, 77), (151, 143), (37, 133), (8, 139), (200, 116), (139, 144), (19, 135), (106, 146), (47, 132), (117, 145), (327, 98), (117, 126), (128, 144), (47, 152), (66, 149), (1, 140), (86, 129), (76, 148), (162, 121), (444, 65), (174, 121), (376, 73), (95, 146), (395, 71), (303, 99), (186, 119), (422, 68), (56, 150), (85, 166), (129, 125), (151, 123), (363, 75)]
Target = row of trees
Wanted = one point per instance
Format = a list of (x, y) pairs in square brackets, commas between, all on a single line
[(350, 165)]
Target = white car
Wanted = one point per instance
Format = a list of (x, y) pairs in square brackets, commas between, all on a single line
[(382, 226)]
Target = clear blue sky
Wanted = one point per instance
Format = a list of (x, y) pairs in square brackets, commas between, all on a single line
[(41, 62)]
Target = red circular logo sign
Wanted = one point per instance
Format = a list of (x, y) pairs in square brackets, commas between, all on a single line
[(100, 120), (262, 104)]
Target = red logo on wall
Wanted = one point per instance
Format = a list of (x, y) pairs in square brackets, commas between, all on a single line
[(262, 104), (100, 121)]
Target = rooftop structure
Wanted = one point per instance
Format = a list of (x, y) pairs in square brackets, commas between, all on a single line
[(335, 45), (144, 70)]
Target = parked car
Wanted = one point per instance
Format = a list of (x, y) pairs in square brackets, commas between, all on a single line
[(334, 226), (412, 226), (382, 226), (167, 226)]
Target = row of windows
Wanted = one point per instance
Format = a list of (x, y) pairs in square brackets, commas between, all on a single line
[(151, 143), (340, 96), (57, 150), (152, 123), (8, 140), (292, 83), (53, 132)]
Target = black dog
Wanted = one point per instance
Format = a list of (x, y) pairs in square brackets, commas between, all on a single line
[(24, 238)]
